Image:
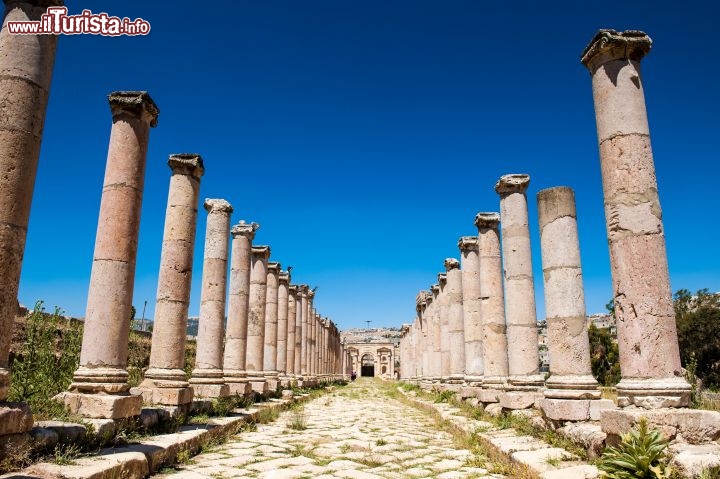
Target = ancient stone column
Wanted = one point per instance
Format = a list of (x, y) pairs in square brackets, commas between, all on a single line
[(103, 359), (165, 381), (207, 378), (256, 319), (442, 305), (282, 332), (424, 336), (271, 326), (571, 382), (238, 309), (26, 64), (436, 332), (304, 330), (522, 335), (297, 368), (492, 307), (455, 321), (470, 270), (310, 334), (291, 320), (647, 336)]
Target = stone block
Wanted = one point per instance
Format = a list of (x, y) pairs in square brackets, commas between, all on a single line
[(494, 409), (43, 438), (241, 389), (489, 395), (589, 436), (67, 431), (259, 387), (573, 472), (129, 465), (287, 394), (101, 406), (518, 399), (104, 429), (15, 418), (599, 405), (566, 409), (694, 426), (149, 417), (469, 392), (210, 390), (690, 460), (540, 460)]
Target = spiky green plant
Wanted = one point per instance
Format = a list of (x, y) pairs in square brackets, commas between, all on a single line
[(640, 454)]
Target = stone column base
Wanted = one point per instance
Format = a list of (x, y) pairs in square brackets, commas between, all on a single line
[(272, 384), (519, 399), (101, 406), (209, 390), (241, 388), (259, 385), (654, 393), (285, 383), (166, 396), (694, 426), (574, 409), (15, 418)]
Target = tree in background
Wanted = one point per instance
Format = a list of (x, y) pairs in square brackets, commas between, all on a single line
[(604, 356), (698, 322)]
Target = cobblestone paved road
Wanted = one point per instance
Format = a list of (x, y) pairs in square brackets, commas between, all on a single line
[(355, 432)]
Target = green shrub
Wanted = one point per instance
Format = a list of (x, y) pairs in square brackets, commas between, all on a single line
[(640, 454), (45, 364)]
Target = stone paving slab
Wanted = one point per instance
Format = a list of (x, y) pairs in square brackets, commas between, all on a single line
[(357, 432)]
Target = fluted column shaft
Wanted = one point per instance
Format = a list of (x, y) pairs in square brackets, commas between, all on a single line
[(472, 321), (282, 332), (455, 320), (271, 321), (291, 324), (256, 316)]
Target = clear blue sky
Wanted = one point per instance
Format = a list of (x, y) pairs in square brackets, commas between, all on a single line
[(364, 136)]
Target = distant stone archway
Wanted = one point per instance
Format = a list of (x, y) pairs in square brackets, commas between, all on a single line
[(367, 365)]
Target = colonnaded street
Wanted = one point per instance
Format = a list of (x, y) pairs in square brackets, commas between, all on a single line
[(360, 431)]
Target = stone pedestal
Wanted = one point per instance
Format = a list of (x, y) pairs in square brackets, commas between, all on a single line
[(455, 321), (522, 335), (492, 307), (647, 336), (102, 375), (25, 76), (571, 376), (256, 318), (238, 306), (303, 291), (207, 378), (165, 381), (472, 321)]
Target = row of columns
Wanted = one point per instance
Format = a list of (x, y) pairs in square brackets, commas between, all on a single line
[(271, 324), (250, 354), (483, 309)]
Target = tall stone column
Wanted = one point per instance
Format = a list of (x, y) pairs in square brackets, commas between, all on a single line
[(470, 270), (165, 381), (256, 319), (207, 378), (310, 334), (424, 336), (26, 64), (442, 308), (282, 332), (100, 388), (455, 321), (271, 326), (571, 383), (304, 290), (436, 332), (492, 307), (238, 309), (522, 334), (291, 320), (647, 336), (297, 368)]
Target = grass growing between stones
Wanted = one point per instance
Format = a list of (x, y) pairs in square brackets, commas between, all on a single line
[(484, 454), (298, 419)]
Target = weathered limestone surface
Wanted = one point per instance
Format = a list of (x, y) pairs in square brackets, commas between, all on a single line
[(290, 326), (165, 381), (492, 305), (256, 318), (207, 377), (473, 331), (571, 376), (303, 291), (238, 306), (443, 305), (297, 368), (25, 77), (522, 335), (103, 358), (455, 321), (647, 336)]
